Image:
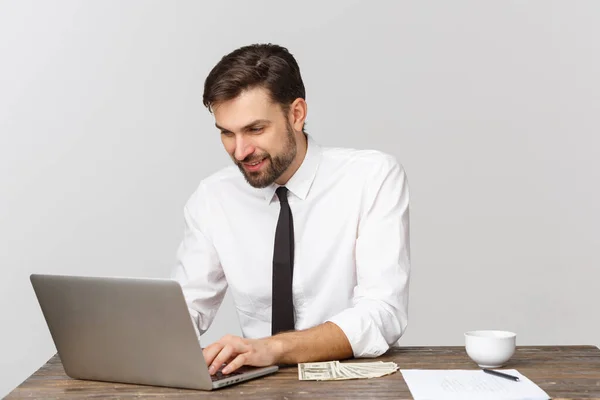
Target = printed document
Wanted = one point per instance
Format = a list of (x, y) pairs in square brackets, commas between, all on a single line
[(469, 385)]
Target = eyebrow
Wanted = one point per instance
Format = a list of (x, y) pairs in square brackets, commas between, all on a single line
[(248, 126)]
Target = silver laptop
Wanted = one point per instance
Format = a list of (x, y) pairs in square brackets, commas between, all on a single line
[(131, 330)]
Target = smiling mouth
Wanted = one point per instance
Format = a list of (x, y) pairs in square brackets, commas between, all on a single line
[(254, 166)]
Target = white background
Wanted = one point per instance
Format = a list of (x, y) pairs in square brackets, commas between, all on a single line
[(493, 108)]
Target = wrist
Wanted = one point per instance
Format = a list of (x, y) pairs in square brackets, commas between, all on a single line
[(277, 349)]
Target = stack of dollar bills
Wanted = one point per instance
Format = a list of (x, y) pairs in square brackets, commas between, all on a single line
[(335, 370)]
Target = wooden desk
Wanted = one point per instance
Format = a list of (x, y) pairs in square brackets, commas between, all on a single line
[(564, 372)]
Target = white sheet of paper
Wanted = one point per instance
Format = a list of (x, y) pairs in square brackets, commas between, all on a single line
[(427, 384)]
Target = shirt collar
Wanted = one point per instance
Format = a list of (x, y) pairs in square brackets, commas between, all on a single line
[(299, 184)]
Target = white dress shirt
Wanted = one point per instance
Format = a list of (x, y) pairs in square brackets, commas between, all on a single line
[(352, 257)]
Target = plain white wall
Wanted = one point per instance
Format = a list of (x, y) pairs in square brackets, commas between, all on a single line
[(493, 108)]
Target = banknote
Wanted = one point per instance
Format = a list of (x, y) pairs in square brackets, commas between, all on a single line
[(319, 371), (335, 370)]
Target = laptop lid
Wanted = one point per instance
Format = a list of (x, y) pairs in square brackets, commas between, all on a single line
[(130, 330)]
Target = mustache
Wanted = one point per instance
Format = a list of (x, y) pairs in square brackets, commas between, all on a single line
[(254, 158)]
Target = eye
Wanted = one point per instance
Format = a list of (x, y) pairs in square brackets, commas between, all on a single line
[(227, 133), (256, 129)]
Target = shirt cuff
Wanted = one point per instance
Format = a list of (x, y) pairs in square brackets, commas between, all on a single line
[(363, 334)]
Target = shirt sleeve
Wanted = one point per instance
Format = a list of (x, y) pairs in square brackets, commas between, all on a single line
[(379, 314), (198, 269)]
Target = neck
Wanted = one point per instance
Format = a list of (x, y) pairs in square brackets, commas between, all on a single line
[(302, 146)]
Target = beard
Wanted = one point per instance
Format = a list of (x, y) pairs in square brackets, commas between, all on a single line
[(275, 166)]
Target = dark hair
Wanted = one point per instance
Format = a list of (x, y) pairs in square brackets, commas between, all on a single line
[(257, 65)]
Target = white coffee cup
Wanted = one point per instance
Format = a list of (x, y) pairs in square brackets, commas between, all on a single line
[(490, 349)]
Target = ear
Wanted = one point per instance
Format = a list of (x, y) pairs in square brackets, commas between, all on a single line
[(298, 110)]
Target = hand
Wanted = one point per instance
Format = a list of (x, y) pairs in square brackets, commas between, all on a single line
[(237, 351)]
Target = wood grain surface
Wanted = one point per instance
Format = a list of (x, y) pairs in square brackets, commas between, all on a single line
[(564, 372)]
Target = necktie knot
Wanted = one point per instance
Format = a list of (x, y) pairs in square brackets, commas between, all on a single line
[(282, 192)]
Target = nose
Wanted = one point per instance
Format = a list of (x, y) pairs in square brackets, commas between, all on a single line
[(243, 148)]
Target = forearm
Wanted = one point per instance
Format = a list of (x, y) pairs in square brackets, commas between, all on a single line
[(321, 343)]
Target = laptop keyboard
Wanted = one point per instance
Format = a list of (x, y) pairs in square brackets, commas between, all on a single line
[(220, 375)]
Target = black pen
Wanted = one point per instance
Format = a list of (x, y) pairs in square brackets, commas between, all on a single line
[(500, 374)]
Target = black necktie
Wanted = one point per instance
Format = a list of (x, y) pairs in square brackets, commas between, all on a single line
[(283, 268)]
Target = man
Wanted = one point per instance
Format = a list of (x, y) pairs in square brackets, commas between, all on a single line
[(313, 242)]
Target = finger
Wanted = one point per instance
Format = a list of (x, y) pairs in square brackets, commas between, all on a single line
[(226, 354), (236, 363), (233, 356), (229, 352), (211, 352)]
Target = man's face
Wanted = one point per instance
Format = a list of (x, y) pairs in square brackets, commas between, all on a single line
[(257, 136)]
